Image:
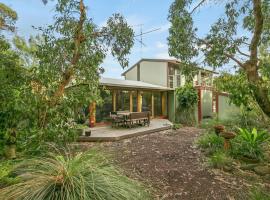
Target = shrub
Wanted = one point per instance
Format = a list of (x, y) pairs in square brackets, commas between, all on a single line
[(259, 194), (247, 119), (249, 144), (65, 176), (219, 160), (6, 177), (209, 123), (187, 97), (176, 126), (211, 142)]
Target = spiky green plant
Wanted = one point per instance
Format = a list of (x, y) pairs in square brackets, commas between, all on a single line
[(259, 194), (210, 142), (219, 160), (84, 176)]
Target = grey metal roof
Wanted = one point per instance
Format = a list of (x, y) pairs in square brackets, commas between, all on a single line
[(112, 82)]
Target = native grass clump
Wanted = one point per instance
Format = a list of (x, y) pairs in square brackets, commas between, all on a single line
[(63, 175)]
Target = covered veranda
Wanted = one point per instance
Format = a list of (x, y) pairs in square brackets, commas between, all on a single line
[(129, 96)]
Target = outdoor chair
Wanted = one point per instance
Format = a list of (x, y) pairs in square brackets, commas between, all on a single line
[(116, 119)]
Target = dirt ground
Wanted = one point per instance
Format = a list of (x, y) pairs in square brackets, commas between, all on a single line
[(169, 162)]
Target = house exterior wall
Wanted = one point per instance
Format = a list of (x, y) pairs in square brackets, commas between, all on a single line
[(131, 74), (171, 106), (225, 109), (154, 73)]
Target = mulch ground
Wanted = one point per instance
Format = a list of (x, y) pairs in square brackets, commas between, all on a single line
[(170, 163)]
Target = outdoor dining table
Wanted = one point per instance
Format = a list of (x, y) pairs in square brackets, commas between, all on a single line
[(128, 119)]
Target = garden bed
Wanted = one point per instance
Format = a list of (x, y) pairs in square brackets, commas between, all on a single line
[(170, 163)]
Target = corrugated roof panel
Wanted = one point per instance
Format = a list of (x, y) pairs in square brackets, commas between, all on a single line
[(130, 84)]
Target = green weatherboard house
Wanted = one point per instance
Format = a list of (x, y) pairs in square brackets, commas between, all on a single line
[(150, 85)]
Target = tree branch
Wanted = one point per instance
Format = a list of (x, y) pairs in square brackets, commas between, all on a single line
[(257, 12), (242, 53), (68, 74), (197, 6), (235, 60)]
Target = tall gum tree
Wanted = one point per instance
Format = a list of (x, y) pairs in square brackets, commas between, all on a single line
[(224, 43), (63, 69)]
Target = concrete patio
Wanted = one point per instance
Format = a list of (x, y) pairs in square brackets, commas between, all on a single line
[(107, 133)]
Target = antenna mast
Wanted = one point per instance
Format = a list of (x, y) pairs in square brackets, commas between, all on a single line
[(140, 35)]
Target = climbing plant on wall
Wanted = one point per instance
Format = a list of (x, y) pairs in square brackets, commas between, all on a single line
[(187, 98)]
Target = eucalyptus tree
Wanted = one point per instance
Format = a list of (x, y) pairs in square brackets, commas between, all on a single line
[(61, 70), (236, 37), (7, 18)]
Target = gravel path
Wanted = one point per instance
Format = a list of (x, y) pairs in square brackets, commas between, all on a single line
[(169, 162)]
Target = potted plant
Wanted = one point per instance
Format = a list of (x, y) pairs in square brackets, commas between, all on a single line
[(219, 129), (10, 143)]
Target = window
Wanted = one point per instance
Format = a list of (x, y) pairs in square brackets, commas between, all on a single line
[(171, 70), (178, 77), (174, 77), (178, 80), (171, 81)]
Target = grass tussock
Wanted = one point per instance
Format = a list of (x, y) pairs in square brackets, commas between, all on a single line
[(64, 176)]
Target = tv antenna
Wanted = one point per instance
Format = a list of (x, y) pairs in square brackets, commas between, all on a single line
[(141, 34)]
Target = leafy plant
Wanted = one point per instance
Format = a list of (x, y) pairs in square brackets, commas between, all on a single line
[(249, 143), (223, 43), (254, 137), (259, 194), (83, 176), (219, 160), (176, 126), (44, 80), (187, 97), (6, 177), (209, 123), (210, 142)]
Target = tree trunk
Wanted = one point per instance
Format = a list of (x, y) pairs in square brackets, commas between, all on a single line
[(259, 89)]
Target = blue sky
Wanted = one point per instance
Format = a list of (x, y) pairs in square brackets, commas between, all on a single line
[(151, 13)]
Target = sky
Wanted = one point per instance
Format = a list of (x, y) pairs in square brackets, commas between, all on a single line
[(140, 14)]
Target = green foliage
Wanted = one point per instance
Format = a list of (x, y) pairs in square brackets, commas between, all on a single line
[(259, 194), (249, 144), (6, 177), (210, 142), (182, 33), (176, 126), (219, 160), (44, 81), (237, 86), (209, 123), (224, 44), (254, 137), (7, 18), (86, 175), (187, 97)]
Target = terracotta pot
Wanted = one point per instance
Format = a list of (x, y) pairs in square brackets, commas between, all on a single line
[(10, 151), (219, 129), (227, 135)]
